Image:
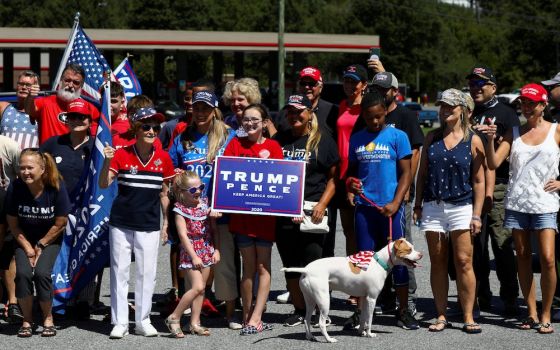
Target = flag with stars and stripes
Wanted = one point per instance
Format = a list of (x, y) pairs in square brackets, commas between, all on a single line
[(17, 126), (82, 51), (85, 247)]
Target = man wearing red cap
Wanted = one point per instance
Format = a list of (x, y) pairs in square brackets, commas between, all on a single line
[(49, 111), (482, 88), (310, 83)]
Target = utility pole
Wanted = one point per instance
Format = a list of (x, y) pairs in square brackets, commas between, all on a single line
[(281, 54)]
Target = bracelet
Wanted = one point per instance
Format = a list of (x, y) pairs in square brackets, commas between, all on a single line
[(476, 218)]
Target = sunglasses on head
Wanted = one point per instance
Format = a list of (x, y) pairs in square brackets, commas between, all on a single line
[(192, 190), (148, 127)]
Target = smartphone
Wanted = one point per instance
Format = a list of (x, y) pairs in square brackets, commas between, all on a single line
[(374, 51)]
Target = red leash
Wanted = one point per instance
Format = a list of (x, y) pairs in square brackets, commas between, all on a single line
[(390, 238)]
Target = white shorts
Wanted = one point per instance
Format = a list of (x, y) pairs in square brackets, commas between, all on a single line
[(445, 217)]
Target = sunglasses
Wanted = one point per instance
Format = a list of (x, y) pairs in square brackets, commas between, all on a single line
[(312, 84), (192, 190), (148, 127), (76, 116), (478, 83)]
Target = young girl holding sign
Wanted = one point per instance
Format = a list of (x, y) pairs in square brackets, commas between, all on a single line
[(254, 234), (198, 234)]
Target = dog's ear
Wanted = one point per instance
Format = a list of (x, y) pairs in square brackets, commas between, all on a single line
[(402, 249)]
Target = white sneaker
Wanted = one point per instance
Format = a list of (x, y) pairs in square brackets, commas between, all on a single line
[(187, 311), (234, 324), (283, 298), (146, 330), (119, 331)]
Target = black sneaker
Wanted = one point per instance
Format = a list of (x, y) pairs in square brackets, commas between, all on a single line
[(315, 321), (353, 322), (14, 314), (293, 320), (406, 320)]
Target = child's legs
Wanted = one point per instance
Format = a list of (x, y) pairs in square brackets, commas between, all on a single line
[(263, 269), (249, 263), (198, 280)]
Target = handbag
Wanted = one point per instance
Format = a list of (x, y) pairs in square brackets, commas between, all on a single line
[(307, 225)]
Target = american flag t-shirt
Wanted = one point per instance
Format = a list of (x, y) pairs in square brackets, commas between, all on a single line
[(17, 126)]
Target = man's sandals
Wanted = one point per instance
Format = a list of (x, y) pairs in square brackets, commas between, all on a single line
[(25, 331), (48, 331), (439, 326), (472, 328)]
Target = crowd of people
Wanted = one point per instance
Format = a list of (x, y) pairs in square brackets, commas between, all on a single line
[(481, 176)]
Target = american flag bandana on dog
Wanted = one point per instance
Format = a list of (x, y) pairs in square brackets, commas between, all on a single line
[(361, 259)]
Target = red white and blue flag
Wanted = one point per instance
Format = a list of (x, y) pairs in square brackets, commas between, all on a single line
[(126, 77)]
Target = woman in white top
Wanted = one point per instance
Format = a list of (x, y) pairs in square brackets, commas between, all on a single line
[(532, 199)]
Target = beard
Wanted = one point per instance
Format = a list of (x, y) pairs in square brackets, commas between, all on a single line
[(68, 94)]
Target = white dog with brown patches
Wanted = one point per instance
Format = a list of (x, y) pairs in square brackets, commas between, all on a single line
[(356, 275)]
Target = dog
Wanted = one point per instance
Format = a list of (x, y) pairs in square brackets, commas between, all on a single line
[(348, 276)]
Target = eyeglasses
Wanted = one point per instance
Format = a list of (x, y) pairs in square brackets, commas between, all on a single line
[(148, 127), (76, 116), (304, 83), (192, 190), (478, 84), (27, 85), (251, 121), (73, 82)]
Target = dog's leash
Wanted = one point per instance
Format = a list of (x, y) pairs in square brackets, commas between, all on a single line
[(390, 238)]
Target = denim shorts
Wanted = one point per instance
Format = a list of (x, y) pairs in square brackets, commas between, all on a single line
[(527, 221), (244, 241)]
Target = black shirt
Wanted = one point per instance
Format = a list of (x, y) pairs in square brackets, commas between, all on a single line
[(36, 216), (404, 119), (69, 161), (326, 112), (506, 118), (318, 164)]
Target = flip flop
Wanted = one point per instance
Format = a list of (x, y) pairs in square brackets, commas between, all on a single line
[(545, 328), (472, 328), (529, 323), (435, 327)]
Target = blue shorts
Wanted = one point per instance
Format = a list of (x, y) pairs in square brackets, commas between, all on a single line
[(372, 233), (244, 241), (526, 221)]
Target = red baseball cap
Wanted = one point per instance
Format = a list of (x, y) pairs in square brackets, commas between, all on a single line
[(79, 106), (311, 72), (534, 92)]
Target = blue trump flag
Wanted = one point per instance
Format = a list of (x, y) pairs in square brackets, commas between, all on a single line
[(126, 77), (85, 247)]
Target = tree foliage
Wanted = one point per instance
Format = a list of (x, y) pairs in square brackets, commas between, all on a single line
[(430, 41)]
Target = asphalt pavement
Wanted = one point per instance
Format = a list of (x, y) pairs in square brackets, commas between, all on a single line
[(498, 333)]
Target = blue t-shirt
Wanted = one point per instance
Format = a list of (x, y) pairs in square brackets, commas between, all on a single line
[(36, 216), (377, 155), (194, 159)]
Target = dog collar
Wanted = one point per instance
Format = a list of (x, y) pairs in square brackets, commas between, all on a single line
[(383, 264)]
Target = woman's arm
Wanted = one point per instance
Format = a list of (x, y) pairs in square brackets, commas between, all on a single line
[(328, 194), (106, 176), (495, 157), (421, 178), (19, 235), (216, 239), (164, 200), (477, 178)]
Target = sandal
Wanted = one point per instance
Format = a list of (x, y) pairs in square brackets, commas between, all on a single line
[(439, 326), (267, 326), (249, 329), (48, 331), (529, 323), (545, 328), (199, 330), (175, 332), (25, 332), (472, 328)]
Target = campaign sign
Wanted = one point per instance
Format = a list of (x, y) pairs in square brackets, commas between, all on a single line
[(258, 186)]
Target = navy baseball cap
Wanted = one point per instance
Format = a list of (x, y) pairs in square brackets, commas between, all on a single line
[(299, 101), (145, 113), (356, 72), (207, 97)]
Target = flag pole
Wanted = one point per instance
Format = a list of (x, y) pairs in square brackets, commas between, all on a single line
[(67, 51)]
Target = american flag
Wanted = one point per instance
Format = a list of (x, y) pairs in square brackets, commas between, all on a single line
[(17, 126), (84, 53)]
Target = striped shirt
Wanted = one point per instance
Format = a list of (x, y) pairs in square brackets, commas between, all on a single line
[(137, 205), (17, 126)]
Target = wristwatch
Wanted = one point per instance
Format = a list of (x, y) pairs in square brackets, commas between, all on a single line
[(40, 245)]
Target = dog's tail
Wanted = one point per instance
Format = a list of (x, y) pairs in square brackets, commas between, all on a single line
[(294, 269)]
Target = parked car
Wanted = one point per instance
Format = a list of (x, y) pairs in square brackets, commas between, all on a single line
[(170, 109), (426, 118)]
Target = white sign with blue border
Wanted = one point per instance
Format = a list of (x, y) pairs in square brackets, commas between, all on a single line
[(258, 186)]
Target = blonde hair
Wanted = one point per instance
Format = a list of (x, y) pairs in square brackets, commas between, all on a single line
[(51, 176), (181, 182), (312, 144), (465, 124), (247, 87), (217, 136)]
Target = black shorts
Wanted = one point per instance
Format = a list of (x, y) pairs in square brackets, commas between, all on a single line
[(7, 253)]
